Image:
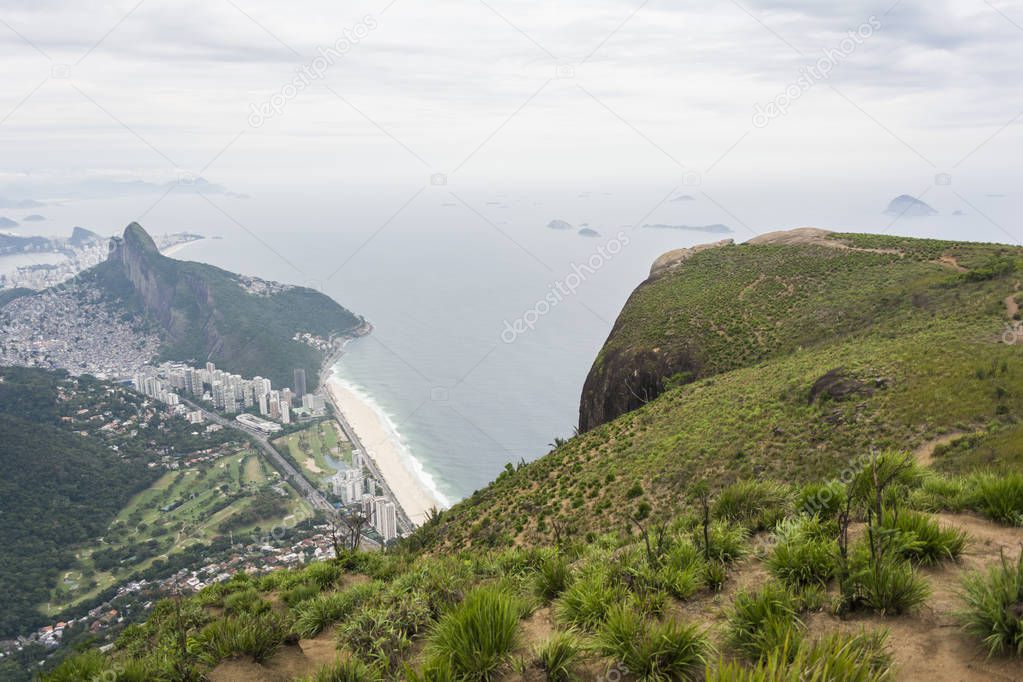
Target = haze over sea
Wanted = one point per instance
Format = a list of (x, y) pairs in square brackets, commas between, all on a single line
[(439, 282)]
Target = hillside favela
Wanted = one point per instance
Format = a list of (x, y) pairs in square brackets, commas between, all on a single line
[(497, 341)]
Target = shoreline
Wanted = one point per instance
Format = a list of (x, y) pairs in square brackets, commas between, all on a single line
[(382, 446)]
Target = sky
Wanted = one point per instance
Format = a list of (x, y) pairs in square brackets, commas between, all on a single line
[(756, 94)]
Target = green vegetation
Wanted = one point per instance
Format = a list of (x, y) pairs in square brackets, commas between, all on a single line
[(825, 405), (309, 450), (73, 452), (205, 313), (474, 638), (993, 609), (762, 621), (558, 655)]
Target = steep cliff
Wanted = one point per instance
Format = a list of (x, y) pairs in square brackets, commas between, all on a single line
[(203, 313), (722, 306)]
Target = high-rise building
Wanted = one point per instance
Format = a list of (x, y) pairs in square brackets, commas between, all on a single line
[(299, 383), (385, 518)]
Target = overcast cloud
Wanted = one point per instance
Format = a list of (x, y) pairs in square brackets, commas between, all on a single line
[(502, 90)]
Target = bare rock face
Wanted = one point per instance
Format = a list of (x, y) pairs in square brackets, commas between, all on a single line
[(673, 259)]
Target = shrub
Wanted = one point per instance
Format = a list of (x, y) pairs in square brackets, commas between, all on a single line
[(801, 556), (299, 593), (245, 601), (85, 666), (345, 670), (257, 636), (997, 496), (477, 635), (651, 650), (727, 541), (682, 582), (761, 621), (714, 575), (587, 601), (994, 606), (891, 587), (552, 578), (821, 499), (758, 505), (904, 472), (313, 615), (383, 634), (922, 540), (323, 574), (938, 493), (858, 657), (558, 655)]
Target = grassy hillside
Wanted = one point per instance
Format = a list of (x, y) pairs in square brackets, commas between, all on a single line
[(737, 306), (824, 481)]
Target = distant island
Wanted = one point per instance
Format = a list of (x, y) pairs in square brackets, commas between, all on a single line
[(588, 232), (7, 222), (910, 207), (559, 225)]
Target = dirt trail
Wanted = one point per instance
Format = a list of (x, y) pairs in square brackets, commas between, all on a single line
[(924, 453), (1011, 307), (951, 262)]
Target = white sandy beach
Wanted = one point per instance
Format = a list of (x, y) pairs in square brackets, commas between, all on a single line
[(382, 447)]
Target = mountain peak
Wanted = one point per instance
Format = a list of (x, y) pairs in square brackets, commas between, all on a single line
[(136, 236)]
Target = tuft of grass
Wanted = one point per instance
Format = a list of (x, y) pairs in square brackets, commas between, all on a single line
[(891, 587), (761, 621), (997, 496), (822, 499), (802, 556), (938, 493), (587, 601), (652, 650), (994, 606), (345, 670), (316, 614), (245, 601), (922, 540), (904, 472), (553, 576), (728, 542), (558, 655), (757, 505), (860, 657), (258, 636), (475, 638), (682, 582)]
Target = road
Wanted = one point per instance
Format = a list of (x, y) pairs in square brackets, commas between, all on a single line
[(290, 473), (306, 489)]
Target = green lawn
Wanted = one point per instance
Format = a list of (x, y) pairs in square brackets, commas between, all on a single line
[(182, 508), (311, 447)]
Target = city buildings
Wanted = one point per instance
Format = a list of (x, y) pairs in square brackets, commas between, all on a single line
[(299, 383)]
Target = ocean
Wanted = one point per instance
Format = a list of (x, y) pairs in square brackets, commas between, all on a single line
[(487, 320)]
